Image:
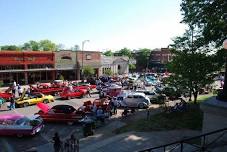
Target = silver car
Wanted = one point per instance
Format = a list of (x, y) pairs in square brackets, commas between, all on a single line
[(134, 100)]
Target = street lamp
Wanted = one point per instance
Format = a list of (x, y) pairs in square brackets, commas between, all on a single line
[(223, 95), (82, 65)]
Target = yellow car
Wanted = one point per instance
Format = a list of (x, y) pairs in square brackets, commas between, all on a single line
[(34, 99)]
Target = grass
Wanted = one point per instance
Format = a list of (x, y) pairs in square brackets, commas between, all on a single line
[(189, 119)]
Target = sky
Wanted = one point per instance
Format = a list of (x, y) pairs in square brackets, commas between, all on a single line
[(107, 24)]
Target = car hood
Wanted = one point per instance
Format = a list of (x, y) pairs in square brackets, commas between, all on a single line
[(44, 107)]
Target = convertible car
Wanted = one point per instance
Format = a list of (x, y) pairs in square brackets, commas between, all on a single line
[(34, 99), (19, 125), (60, 113)]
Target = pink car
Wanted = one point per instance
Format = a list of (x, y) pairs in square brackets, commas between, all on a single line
[(20, 125)]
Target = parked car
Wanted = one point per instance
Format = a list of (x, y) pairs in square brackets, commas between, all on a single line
[(75, 93), (172, 93), (61, 113), (134, 100), (153, 96), (34, 99), (20, 125)]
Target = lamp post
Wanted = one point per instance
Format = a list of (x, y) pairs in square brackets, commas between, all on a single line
[(82, 64), (223, 95)]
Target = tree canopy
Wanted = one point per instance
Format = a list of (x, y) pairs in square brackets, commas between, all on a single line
[(209, 16), (124, 52), (142, 58), (88, 71), (192, 65), (43, 45), (108, 53)]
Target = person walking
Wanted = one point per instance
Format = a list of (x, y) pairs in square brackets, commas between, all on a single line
[(57, 142), (1, 102), (12, 103)]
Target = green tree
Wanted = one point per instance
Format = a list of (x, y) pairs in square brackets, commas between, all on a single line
[(47, 45), (88, 71), (108, 53), (124, 52), (108, 72), (142, 58), (191, 64), (132, 67), (31, 45), (209, 17), (10, 47)]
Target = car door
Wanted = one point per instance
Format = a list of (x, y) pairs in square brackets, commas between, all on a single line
[(58, 113), (129, 101), (39, 98), (136, 100)]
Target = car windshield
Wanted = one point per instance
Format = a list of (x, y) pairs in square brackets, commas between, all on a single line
[(22, 121), (27, 121)]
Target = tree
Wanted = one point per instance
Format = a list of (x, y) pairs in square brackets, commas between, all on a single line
[(108, 53), (10, 47), (142, 58), (209, 16), (132, 67), (124, 52), (88, 71), (47, 45), (108, 72), (191, 64), (31, 45)]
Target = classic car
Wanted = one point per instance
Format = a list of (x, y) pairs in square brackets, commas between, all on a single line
[(74, 93), (20, 125), (34, 99), (45, 89), (81, 85), (60, 113), (6, 95)]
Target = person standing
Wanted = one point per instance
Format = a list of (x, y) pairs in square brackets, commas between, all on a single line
[(19, 90), (89, 91), (57, 142), (14, 88)]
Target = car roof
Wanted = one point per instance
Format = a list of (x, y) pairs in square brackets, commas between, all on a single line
[(137, 94)]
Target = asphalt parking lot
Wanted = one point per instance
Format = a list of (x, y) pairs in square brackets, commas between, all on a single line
[(64, 130)]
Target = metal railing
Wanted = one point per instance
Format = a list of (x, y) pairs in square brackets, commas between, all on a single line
[(181, 144)]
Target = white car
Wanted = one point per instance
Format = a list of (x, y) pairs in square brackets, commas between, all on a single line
[(133, 100)]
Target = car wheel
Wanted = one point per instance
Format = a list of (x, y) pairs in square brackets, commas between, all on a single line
[(45, 101), (25, 104), (141, 106), (70, 123), (19, 135)]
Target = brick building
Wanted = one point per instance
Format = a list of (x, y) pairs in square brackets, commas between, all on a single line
[(26, 67), (159, 58), (88, 58)]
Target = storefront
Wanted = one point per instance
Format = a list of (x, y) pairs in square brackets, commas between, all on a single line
[(26, 67)]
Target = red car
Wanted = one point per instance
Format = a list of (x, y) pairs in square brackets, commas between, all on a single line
[(61, 113), (75, 93), (5, 95)]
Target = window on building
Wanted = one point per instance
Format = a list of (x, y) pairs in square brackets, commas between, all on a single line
[(88, 57), (66, 57)]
